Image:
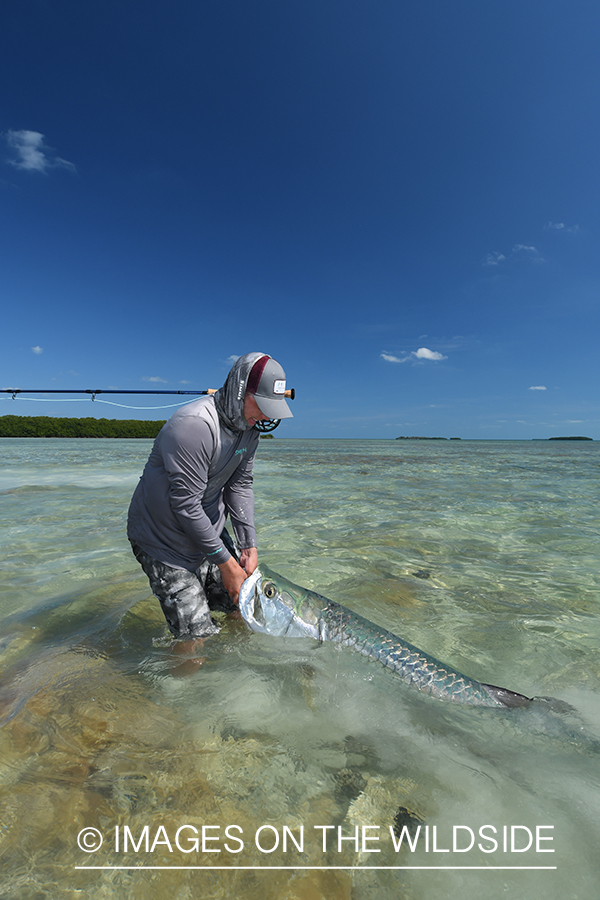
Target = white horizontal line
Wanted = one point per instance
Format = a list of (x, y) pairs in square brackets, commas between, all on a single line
[(346, 868)]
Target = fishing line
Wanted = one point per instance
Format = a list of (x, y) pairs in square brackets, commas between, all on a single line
[(124, 406), (96, 400)]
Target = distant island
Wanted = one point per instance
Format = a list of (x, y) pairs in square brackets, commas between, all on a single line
[(46, 426), (406, 437), (574, 438)]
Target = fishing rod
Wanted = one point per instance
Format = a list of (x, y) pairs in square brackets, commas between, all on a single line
[(264, 427)]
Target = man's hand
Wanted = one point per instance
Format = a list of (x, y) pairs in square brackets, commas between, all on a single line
[(233, 577), (249, 560)]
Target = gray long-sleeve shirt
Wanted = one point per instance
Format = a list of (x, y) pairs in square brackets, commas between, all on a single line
[(197, 473)]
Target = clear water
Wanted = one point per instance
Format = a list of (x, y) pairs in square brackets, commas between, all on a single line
[(483, 554)]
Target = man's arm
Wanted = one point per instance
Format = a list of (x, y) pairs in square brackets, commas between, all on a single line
[(249, 560), (187, 451), (233, 577), (239, 502)]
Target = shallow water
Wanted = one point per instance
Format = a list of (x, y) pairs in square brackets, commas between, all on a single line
[(483, 554)]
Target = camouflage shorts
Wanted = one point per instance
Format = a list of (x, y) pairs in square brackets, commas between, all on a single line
[(187, 597)]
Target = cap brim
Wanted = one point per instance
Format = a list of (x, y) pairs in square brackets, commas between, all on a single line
[(274, 409)]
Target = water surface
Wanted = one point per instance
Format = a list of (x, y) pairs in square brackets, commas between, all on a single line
[(483, 554)]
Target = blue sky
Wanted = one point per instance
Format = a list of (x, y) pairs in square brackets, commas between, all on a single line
[(399, 201)]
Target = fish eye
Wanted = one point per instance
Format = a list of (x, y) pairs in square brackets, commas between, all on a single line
[(269, 590)]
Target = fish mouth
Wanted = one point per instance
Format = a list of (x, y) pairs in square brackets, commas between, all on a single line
[(257, 609), (248, 595)]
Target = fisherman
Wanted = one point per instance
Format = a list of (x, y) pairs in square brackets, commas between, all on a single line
[(198, 473)]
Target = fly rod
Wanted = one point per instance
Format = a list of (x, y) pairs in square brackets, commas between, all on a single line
[(266, 426), (290, 393)]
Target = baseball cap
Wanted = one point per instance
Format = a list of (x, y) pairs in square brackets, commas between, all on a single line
[(266, 382)]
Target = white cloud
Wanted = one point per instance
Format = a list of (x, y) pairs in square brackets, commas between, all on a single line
[(494, 259), (524, 248), (538, 387), (394, 359), (155, 378), (421, 353), (37, 350), (232, 359), (31, 154), (531, 253), (560, 226), (424, 353)]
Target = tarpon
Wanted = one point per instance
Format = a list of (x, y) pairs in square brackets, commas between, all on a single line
[(271, 604)]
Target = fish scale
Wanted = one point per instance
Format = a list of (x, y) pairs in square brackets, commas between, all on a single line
[(413, 665), (271, 604)]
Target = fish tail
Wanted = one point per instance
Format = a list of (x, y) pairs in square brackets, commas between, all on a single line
[(507, 698)]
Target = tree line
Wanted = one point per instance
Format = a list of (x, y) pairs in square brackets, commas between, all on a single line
[(47, 426)]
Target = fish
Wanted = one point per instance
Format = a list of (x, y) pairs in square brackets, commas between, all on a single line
[(270, 604)]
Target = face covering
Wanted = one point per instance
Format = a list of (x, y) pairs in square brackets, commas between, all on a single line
[(229, 399)]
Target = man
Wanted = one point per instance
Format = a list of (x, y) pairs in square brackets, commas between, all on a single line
[(200, 471)]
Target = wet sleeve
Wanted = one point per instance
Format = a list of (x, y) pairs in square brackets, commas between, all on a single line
[(187, 450), (239, 501)]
